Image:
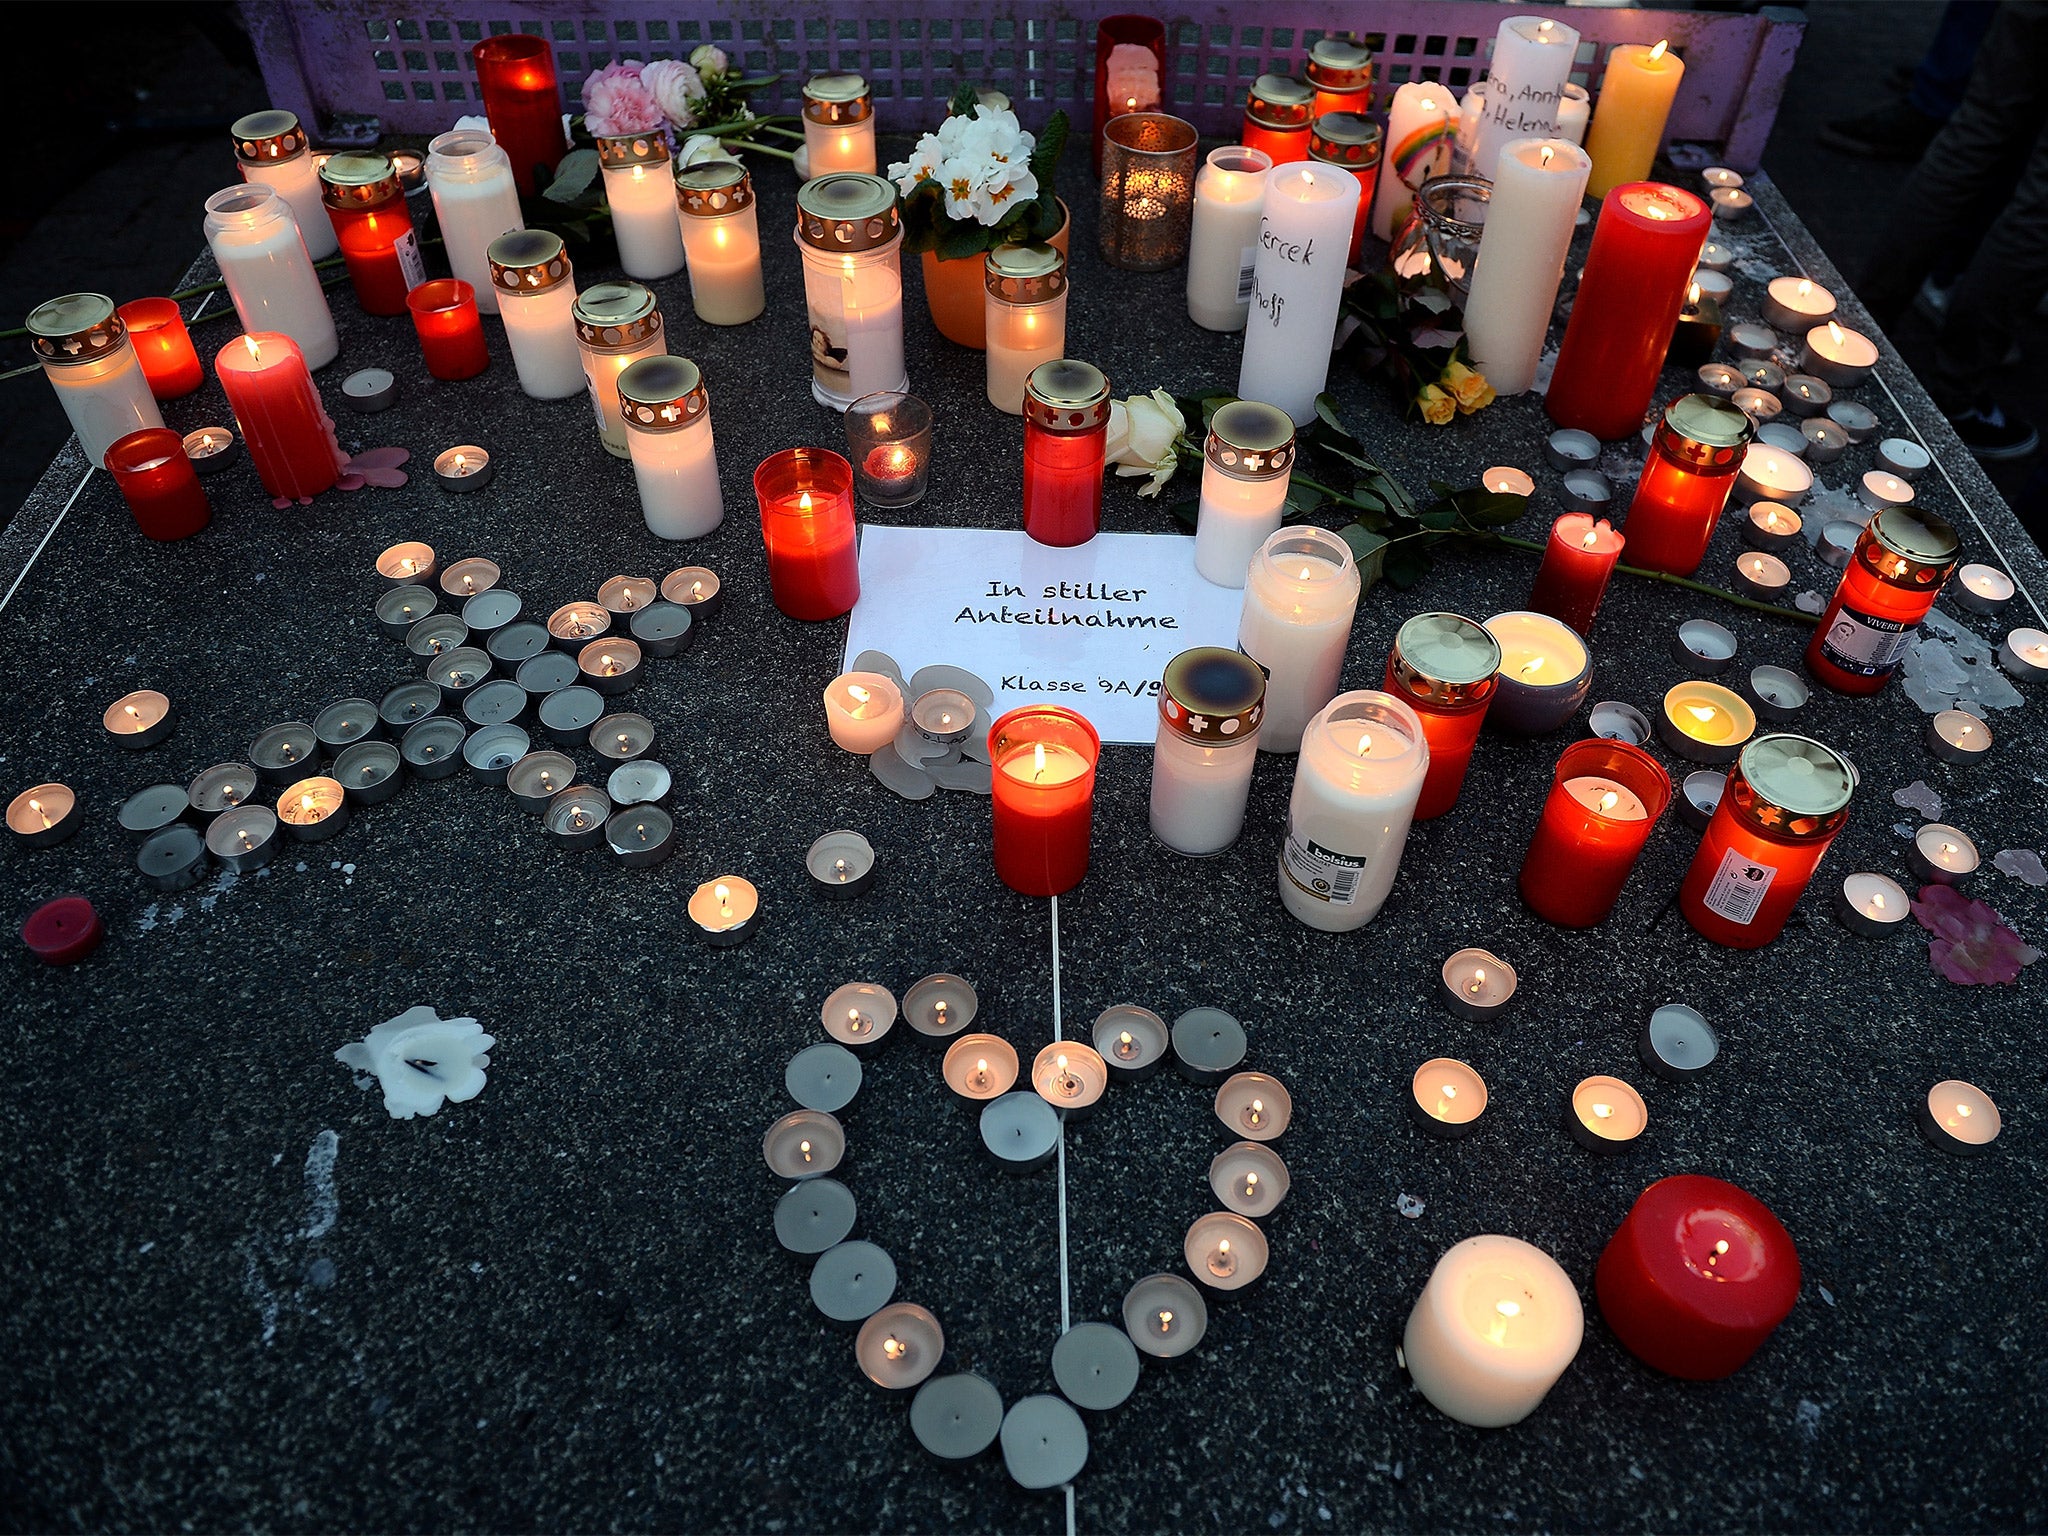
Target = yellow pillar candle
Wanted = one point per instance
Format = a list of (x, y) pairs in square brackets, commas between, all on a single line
[(1628, 122)]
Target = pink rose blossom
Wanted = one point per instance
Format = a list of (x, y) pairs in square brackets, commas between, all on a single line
[(615, 103)]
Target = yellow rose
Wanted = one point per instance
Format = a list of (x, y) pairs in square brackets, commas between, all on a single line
[(1468, 387), (1437, 407)]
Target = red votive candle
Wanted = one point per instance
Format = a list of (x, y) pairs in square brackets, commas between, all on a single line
[(451, 331), (1066, 444), (516, 74), (63, 931), (164, 347), (1277, 109), (159, 484), (1044, 791), (284, 426), (1147, 32), (366, 206), (806, 497), (1691, 468), (1577, 564), (1604, 802), (1445, 667), (1696, 1277), (1640, 265), (1900, 563), (1786, 798)]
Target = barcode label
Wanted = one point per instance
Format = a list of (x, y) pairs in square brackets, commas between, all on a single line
[(1864, 645), (415, 270), (1245, 261), (1738, 888), (1321, 872)]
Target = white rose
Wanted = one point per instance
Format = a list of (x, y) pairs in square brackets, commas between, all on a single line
[(1143, 432), (708, 59), (699, 148), (422, 1059), (675, 86)]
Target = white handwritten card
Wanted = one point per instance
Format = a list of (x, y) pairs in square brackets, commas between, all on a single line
[(1092, 627)]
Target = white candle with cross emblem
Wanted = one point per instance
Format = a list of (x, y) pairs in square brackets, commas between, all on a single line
[(668, 437)]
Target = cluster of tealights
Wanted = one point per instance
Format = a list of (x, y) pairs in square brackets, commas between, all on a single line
[(899, 1346), (937, 740)]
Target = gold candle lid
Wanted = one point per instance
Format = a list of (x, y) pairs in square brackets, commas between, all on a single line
[(1791, 786), (626, 150), (662, 394), (614, 317), (1705, 431), (1212, 695), (1446, 658), (1249, 440), (1338, 64), (1279, 101), (1067, 395), (1909, 547), (713, 188), (847, 211), (358, 179), (528, 261), (1345, 138), (1026, 274), (76, 328), (837, 99), (268, 138)]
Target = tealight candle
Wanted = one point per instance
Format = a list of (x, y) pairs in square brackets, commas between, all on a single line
[(512, 645), (457, 672), (1208, 1045), (1698, 795), (210, 449), (281, 753), (1805, 396), (491, 751), (1131, 1041), (899, 1346), (436, 635), (1759, 405), (344, 723), (44, 816), (407, 565), (1715, 177), (1570, 448), (1825, 442), (1705, 647), (1020, 1130), (939, 1006), (956, 1417), (1778, 692), (1854, 418), (1545, 671), (1677, 1043), (1716, 257), (1903, 457), (1705, 723), (1446, 1098), (980, 1067), (546, 672), (1761, 576), (1070, 1077), (1165, 1316), (1956, 737), (1838, 356), (640, 835), (537, 778), (841, 864), (172, 858), (1224, 1251), (695, 588), (466, 578), (804, 1144), (1478, 984), (313, 810), (138, 720), (1762, 373), (1959, 1117), (1095, 1366), (617, 738), (1942, 855), (851, 1282), (2024, 653), (1769, 525), (1720, 380), (1492, 1331), (220, 788), (859, 1015), (725, 910), (1879, 489), (611, 666), (567, 714), (148, 810), (622, 596), (1981, 588), (1750, 341), (575, 819), (1612, 720), (369, 772), (1249, 1178), (1586, 490), (640, 782), (1604, 1114), (1872, 905), (1837, 544), (573, 625), (243, 838), (1255, 1106), (1796, 305), (465, 467), (1783, 434), (400, 608), (814, 1215), (1731, 204), (863, 711), (1717, 286)]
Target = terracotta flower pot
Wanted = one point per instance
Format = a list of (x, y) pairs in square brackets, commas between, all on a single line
[(953, 289)]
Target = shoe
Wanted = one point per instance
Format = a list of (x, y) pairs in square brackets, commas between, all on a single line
[(1993, 436), (1900, 131)]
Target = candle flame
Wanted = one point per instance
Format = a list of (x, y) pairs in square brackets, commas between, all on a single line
[(1308, 178), (1835, 332), (1610, 800), (1364, 743), (894, 1348), (1602, 1111), (1038, 772), (1657, 53), (306, 803), (1545, 156), (805, 1148), (1964, 1110), (804, 502), (1508, 1308), (858, 694), (250, 343), (1592, 537), (724, 894), (1692, 296), (981, 1066), (1701, 712), (1165, 1320), (1223, 1248), (1805, 287), (1251, 1182), (1131, 103), (37, 807), (1877, 900), (1449, 1090), (1478, 981)]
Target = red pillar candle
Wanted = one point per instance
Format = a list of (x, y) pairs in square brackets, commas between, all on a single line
[(516, 74), (1277, 110), (1786, 798), (1444, 666), (1044, 792), (1696, 1277), (451, 331), (1577, 564), (1641, 262), (1686, 479), (1066, 442), (806, 497), (286, 429), (366, 205), (159, 484), (1901, 560), (1604, 802), (164, 347)]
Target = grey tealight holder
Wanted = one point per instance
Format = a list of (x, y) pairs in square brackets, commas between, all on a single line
[(1612, 720), (513, 645), (150, 810), (244, 838), (1208, 1045), (172, 858), (956, 1418), (851, 1282), (459, 671), (622, 737), (489, 612), (435, 634), (1151, 1042), (1045, 1444), (369, 390), (1778, 693), (497, 702), (547, 672), (492, 750), (537, 778), (640, 836), (663, 629), (344, 723), (1707, 649), (1096, 1366), (813, 1216), (220, 788), (1586, 490), (640, 782), (1699, 796), (825, 1076), (841, 865), (402, 607), (1020, 1130), (370, 772), (432, 749), (575, 818), (1677, 1043), (285, 753), (1571, 448), (567, 715), (409, 703)]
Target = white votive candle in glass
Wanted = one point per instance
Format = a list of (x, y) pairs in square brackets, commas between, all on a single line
[(1025, 316), (863, 711), (271, 149), (258, 245), (1297, 286), (1529, 223), (1363, 760), (476, 199), (1301, 594), (1247, 459), (1230, 197), (668, 437), (640, 190), (617, 324), (722, 239), (82, 343), (850, 234), (1492, 1331), (1210, 703), (536, 299), (839, 124)]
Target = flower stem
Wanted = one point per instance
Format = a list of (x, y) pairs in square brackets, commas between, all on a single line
[(1792, 615), (765, 149)]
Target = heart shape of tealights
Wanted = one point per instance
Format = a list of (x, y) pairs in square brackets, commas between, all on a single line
[(900, 1345)]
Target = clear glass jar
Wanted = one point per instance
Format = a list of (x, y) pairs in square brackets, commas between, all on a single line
[(889, 442), (667, 423), (617, 324), (84, 349), (1440, 241), (1300, 596), (263, 260), (536, 289), (1147, 199), (1026, 315), (1362, 761), (641, 191), (1211, 700), (271, 148), (1245, 466), (722, 242), (839, 125), (850, 232), (476, 199), (1066, 441)]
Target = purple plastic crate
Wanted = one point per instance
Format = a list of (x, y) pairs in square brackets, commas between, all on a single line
[(409, 65)]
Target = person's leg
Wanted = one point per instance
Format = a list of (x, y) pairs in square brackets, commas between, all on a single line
[(1944, 69)]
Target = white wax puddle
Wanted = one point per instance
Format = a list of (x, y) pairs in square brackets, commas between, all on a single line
[(422, 1060), (1917, 796), (2022, 864), (1949, 667)]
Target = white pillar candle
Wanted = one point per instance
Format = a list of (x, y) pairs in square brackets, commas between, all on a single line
[(1230, 195), (271, 148), (668, 436), (722, 240), (863, 711), (1422, 132), (1525, 81), (1492, 1331), (85, 352), (1300, 596), (617, 324), (1211, 701), (1025, 317), (476, 200), (1297, 286), (1245, 469), (1363, 760), (641, 191), (269, 275), (536, 299), (1529, 224), (1574, 112)]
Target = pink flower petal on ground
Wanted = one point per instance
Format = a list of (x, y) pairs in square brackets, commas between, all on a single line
[(349, 481), (1972, 944), (280, 502), (379, 458), (386, 479)]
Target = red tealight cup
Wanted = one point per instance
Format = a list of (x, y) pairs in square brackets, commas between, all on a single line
[(450, 329), (1044, 792), (64, 931), (1696, 1277), (1578, 562), (164, 347), (1604, 802), (159, 484), (806, 498)]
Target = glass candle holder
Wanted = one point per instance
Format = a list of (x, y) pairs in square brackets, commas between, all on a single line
[(1443, 666), (163, 347), (1148, 190), (1141, 89), (1787, 797), (476, 199), (1350, 140), (259, 246), (617, 324), (1066, 437), (516, 75), (451, 332), (1896, 571), (1694, 458), (1604, 802), (850, 232), (536, 287), (1578, 562), (284, 426), (1025, 318), (1277, 110), (1210, 703), (1341, 72), (839, 124), (1300, 596), (271, 149), (82, 343), (721, 241), (159, 484), (1362, 762), (640, 190), (1043, 788), (1230, 198), (366, 205), (1246, 461), (889, 438), (666, 419), (806, 500)]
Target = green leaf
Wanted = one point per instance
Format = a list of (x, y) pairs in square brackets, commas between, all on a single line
[(1406, 563), (962, 238), (1441, 516), (573, 176), (1302, 502), (1187, 513), (1492, 509), (964, 101), (751, 82), (1369, 549), (1045, 157), (1326, 412)]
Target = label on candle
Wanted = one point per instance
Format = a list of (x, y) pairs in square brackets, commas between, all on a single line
[(1738, 887), (1247, 259), (1320, 872), (1864, 644), (408, 250)]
